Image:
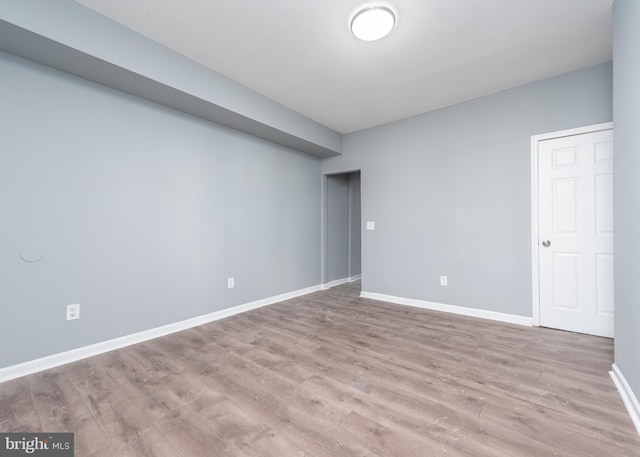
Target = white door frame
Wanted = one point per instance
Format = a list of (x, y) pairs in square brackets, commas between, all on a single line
[(535, 140)]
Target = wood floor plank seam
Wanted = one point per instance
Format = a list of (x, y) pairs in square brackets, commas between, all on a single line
[(330, 374)]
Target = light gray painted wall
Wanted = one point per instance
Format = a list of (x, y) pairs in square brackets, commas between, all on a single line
[(626, 116), (355, 224), (69, 24), (450, 191), (142, 211), (337, 227)]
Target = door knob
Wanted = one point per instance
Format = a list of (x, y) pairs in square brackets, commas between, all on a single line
[(546, 243)]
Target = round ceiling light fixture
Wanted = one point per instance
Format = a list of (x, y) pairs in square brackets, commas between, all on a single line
[(373, 22)]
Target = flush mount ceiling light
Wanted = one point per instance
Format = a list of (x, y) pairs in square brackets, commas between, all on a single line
[(373, 22)]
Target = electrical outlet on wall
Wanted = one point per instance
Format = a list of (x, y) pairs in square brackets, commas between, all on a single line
[(231, 283), (73, 312), (443, 281)]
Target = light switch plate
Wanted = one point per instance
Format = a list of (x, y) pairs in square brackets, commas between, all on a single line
[(371, 225)]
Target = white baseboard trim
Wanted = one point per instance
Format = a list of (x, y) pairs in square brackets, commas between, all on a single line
[(355, 278), (337, 282), (63, 358), (628, 397), (472, 312)]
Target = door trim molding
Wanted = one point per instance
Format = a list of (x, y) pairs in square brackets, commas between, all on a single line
[(535, 267)]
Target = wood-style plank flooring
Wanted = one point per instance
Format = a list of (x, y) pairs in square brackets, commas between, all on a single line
[(333, 375)]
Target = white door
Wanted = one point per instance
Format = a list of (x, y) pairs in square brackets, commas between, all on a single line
[(575, 232)]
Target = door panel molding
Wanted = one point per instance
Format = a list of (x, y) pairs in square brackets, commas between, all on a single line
[(559, 161)]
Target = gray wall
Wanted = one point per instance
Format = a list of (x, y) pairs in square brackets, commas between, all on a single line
[(142, 211), (450, 191), (355, 225), (626, 115), (141, 66), (337, 227)]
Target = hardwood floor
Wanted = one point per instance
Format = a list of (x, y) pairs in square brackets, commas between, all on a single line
[(331, 374)]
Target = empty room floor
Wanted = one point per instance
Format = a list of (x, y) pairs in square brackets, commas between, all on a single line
[(331, 374)]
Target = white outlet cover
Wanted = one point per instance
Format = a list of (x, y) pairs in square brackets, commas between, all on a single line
[(73, 312), (231, 283), (371, 225), (443, 281)]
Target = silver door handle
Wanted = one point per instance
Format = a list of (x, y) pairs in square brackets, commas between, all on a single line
[(546, 243)]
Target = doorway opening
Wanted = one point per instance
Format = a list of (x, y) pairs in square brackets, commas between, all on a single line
[(342, 236)]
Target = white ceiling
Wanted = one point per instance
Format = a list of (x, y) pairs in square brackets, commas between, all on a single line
[(301, 54)]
